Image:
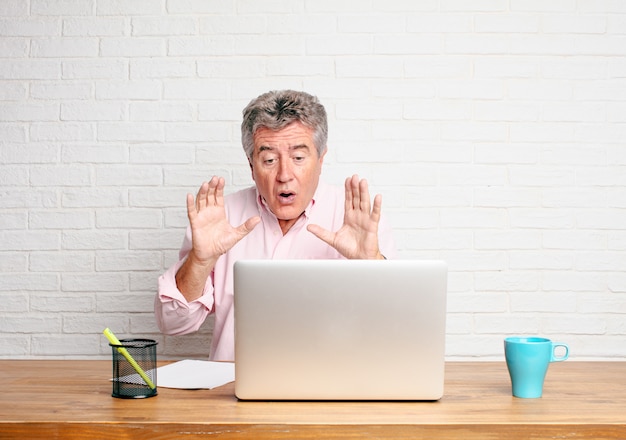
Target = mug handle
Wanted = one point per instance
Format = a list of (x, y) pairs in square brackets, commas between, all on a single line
[(553, 357)]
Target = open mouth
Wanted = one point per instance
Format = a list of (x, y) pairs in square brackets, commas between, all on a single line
[(286, 197)]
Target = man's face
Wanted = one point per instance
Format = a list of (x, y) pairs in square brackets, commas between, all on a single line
[(286, 169)]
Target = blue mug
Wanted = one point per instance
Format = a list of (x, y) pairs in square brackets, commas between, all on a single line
[(527, 360)]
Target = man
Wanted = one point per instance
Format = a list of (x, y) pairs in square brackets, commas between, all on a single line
[(287, 214)]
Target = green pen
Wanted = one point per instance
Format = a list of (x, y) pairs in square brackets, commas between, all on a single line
[(114, 341)]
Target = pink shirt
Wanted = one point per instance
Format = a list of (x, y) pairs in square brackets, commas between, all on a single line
[(176, 316)]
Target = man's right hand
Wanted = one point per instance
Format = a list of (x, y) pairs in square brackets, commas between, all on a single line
[(211, 236)]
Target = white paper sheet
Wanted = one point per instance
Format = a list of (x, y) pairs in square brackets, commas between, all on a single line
[(192, 374)]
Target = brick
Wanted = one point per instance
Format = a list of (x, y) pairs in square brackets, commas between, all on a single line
[(112, 261), (13, 48), (537, 218), (160, 111), (82, 323), (129, 7), (438, 22), (13, 8), (543, 302), (130, 132), (197, 132), (55, 303), (383, 67), (507, 239), (216, 24), (12, 90), (62, 8), (155, 240), (540, 6), (131, 47), (55, 219), (17, 323), (92, 239), (198, 46), (128, 218), (32, 69), (27, 240), (95, 198), (90, 111), (64, 346), (517, 324), (163, 68), (28, 281), (125, 303), (574, 239), (503, 196), (73, 176), (94, 282), (160, 154), (62, 90), (14, 346), (507, 23), (123, 175), (195, 89), (94, 153), (28, 198), (94, 27), (49, 131), (32, 112), (129, 90), (191, 177), (570, 281), (164, 198), (71, 262), (13, 302), (164, 26), (95, 69), (64, 47), (13, 219), (13, 175), (351, 45), (538, 260)]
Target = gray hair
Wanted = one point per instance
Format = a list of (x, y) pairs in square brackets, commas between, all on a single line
[(277, 109)]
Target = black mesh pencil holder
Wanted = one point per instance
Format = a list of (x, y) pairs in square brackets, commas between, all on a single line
[(134, 368)]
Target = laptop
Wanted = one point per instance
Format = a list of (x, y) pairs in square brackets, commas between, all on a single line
[(339, 329)]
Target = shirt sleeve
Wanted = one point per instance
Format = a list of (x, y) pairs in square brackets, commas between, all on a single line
[(174, 314)]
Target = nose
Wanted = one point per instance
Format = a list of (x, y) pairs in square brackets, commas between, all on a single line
[(285, 171)]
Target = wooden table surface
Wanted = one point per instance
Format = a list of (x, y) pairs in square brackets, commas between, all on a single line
[(72, 399)]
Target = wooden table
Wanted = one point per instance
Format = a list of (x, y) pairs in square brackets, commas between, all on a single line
[(72, 400)]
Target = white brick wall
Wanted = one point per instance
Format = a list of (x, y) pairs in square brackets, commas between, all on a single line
[(495, 129)]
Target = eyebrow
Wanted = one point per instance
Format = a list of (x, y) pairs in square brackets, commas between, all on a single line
[(292, 148)]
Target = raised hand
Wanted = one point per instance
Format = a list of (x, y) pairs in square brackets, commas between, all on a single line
[(358, 236), (211, 236)]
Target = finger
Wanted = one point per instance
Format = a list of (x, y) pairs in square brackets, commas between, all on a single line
[(352, 193), (191, 207), (201, 197), (323, 234), (219, 191), (249, 225), (364, 195), (376, 210), (212, 190)]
